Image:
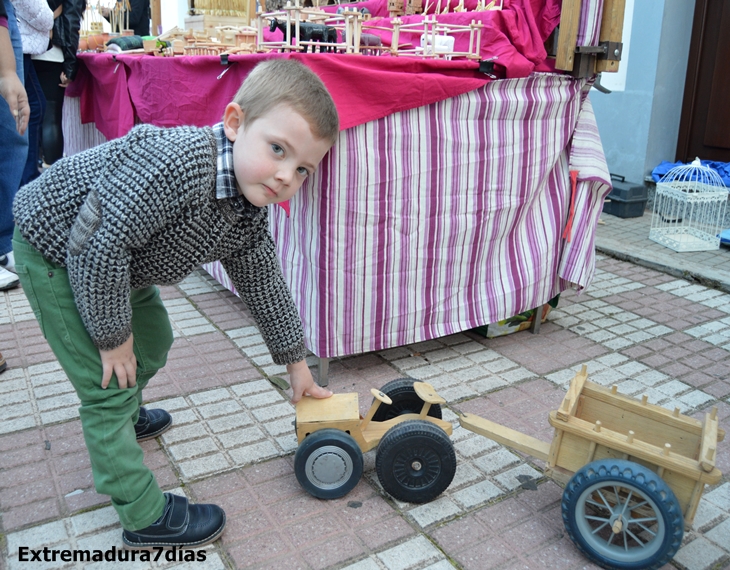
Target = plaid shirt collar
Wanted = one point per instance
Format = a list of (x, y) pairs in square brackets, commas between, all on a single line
[(226, 188)]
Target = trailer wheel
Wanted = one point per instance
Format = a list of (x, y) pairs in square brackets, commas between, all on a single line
[(622, 515), (328, 464), (405, 401), (415, 461)]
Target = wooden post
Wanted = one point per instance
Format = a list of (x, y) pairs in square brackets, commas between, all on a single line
[(591, 451), (612, 26), (569, 20), (251, 12), (156, 7)]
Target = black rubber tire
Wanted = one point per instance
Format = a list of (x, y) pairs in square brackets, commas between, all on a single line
[(415, 461), (405, 401), (328, 464), (648, 544)]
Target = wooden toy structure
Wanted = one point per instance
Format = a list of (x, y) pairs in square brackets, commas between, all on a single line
[(294, 22), (404, 8), (415, 459), (635, 472), (303, 28), (437, 39), (210, 14)]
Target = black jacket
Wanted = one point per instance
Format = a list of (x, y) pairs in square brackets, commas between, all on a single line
[(139, 17), (66, 32)]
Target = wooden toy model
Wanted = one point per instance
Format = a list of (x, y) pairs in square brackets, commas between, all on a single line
[(635, 471), (415, 460)]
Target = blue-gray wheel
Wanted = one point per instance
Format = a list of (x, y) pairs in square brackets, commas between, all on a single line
[(622, 515), (328, 463)]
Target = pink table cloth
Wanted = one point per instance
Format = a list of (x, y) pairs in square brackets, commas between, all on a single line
[(446, 217), (116, 90)]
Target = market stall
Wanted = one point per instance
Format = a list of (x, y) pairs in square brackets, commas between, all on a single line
[(447, 202)]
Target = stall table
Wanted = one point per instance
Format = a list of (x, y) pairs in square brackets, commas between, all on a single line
[(444, 203)]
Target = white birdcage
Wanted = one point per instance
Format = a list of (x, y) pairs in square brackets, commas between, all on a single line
[(689, 208)]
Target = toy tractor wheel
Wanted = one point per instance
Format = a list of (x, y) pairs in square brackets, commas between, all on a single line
[(415, 461), (328, 464), (622, 515), (405, 401)]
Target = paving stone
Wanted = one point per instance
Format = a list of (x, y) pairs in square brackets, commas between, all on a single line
[(496, 461), (509, 479), (477, 494), (366, 564), (720, 535), (475, 445), (410, 554), (700, 554), (720, 497)]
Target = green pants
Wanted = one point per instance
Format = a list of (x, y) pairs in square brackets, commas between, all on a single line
[(107, 416)]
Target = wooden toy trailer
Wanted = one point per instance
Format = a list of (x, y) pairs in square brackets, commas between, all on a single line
[(634, 471)]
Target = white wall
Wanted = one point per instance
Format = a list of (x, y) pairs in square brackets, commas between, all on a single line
[(639, 124), (173, 14)]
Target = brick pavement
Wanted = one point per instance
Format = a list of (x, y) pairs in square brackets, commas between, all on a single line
[(232, 441)]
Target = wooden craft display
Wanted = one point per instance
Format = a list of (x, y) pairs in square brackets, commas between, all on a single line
[(222, 30), (431, 33)]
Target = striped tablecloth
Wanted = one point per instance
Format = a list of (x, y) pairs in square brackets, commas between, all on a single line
[(442, 218)]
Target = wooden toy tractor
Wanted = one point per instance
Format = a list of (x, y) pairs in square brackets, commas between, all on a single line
[(415, 459)]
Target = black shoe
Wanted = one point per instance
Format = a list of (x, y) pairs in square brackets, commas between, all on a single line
[(182, 525), (151, 423)]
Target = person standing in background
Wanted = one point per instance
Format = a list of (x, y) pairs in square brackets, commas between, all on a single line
[(139, 16), (13, 146), (15, 103), (35, 22), (57, 68)]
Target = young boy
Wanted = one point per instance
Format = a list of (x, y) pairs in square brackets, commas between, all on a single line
[(98, 230)]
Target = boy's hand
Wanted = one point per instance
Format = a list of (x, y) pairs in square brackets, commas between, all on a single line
[(302, 382), (122, 362)]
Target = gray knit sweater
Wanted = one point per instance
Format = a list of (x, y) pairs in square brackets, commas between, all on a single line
[(141, 210)]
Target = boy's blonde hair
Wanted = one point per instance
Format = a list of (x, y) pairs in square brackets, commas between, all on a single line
[(289, 82)]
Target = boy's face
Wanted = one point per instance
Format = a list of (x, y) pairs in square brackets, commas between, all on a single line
[(273, 155)]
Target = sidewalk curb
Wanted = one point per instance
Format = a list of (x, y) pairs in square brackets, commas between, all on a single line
[(682, 274)]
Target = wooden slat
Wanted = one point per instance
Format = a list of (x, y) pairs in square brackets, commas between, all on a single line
[(156, 13), (653, 454), (569, 20), (708, 445), (612, 25), (426, 392), (620, 418), (569, 404), (651, 411), (552, 459), (338, 407), (506, 436)]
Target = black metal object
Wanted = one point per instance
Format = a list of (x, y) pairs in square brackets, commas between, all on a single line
[(487, 67), (586, 56)]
